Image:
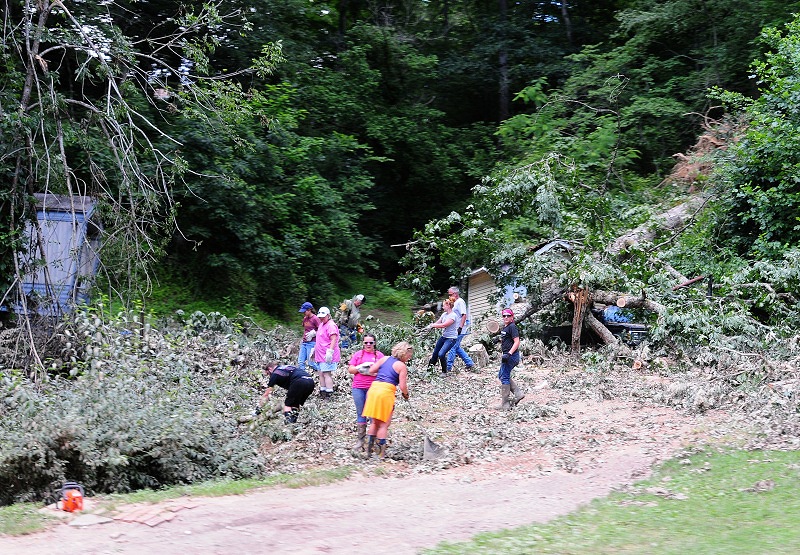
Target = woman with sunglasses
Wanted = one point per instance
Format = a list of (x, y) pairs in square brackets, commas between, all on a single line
[(509, 343), (362, 379)]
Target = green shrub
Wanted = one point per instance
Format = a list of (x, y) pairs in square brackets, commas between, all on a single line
[(143, 408)]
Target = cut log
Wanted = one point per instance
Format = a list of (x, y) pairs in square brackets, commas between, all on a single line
[(631, 301)]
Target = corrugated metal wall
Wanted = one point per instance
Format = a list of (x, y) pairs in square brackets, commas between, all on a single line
[(481, 285)]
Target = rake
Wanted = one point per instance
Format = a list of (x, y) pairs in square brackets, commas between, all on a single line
[(430, 449)]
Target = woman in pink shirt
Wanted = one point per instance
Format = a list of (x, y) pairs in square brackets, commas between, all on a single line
[(359, 367)]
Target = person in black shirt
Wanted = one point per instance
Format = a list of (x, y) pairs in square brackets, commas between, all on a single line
[(298, 384), (509, 343)]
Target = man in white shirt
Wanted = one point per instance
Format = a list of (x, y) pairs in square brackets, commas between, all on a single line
[(462, 318)]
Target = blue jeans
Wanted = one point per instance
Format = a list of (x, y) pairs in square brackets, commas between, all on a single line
[(443, 345), (359, 398), (307, 355), (458, 351), (505, 368)]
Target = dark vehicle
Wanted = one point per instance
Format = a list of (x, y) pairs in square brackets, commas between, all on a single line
[(627, 332), (616, 321)]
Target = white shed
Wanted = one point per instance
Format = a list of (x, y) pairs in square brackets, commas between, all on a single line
[(480, 286), (481, 289)]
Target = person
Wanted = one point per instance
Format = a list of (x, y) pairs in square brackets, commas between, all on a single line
[(509, 344), (390, 373), (447, 323), (348, 320), (359, 366), (462, 318), (326, 352), (298, 384), (309, 341)]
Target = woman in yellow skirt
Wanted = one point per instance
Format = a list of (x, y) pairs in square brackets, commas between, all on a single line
[(390, 373)]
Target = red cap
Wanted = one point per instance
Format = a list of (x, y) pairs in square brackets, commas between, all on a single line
[(507, 312)]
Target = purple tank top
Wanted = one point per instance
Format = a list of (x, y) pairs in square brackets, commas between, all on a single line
[(388, 374)]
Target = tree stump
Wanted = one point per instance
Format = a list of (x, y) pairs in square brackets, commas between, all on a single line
[(580, 298), (479, 355)]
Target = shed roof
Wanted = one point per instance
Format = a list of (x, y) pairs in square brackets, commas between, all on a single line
[(78, 205)]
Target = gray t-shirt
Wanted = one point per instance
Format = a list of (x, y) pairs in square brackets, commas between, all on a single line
[(451, 331), (459, 309)]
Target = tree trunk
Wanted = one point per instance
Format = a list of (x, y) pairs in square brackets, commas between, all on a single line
[(673, 220), (580, 299), (567, 21), (504, 96), (343, 7), (602, 332)]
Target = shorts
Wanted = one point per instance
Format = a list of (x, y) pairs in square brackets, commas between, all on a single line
[(298, 392), (327, 366)]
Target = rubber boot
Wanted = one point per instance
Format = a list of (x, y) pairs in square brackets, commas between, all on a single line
[(361, 436), (443, 364), (370, 445), (519, 395), (505, 391), (287, 417), (382, 449)]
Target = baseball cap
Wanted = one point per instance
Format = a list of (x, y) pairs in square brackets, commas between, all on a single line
[(359, 298), (507, 312), (324, 311), (306, 306)]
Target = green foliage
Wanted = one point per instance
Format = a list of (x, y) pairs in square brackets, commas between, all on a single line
[(759, 174), (145, 408), (277, 211), (97, 113), (380, 295)]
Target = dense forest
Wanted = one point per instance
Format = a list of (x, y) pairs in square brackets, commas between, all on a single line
[(267, 152), (232, 144)]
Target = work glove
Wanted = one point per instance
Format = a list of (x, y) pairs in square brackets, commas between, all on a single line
[(505, 357), (405, 396), (364, 368), (311, 335), (459, 331), (329, 356)]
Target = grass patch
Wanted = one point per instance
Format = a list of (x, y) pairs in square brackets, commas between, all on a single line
[(218, 488), (22, 518), (379, 294), (741, 502), (171, 293)]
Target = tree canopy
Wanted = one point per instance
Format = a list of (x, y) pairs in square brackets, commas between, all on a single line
[(300, 140)]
